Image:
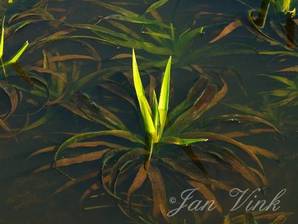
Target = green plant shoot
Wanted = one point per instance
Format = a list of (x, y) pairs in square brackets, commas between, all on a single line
[(154, 122), (14, 58)]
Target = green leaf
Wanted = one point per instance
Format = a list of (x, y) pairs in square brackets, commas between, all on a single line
[(283, 80), (156, 5), (158, 35), (17, 56), (156, 112), (186, 39), (183, 141), (147, 118), (283, 5), (143, 103), (113, 8), (136, 77), (163, 105), (2, 39)]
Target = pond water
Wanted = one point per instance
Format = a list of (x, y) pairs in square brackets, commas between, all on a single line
[(75, 75)]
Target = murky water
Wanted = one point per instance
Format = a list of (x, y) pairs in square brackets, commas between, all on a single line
[(244, 58)]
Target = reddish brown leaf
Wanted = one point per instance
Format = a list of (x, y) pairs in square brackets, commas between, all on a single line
[(89, 144), (76, 181), (137, 182), (86, 157), (227, 30), (159, 192)]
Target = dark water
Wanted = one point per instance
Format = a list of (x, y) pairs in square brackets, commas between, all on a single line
[(28, 198)]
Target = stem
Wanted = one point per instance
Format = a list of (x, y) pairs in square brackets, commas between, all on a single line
[(151, 147), (3, 68)]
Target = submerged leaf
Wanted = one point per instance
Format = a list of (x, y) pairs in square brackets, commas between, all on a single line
[(138, 181), (227, 30), (159, 192), (86, 157), (78, 180), (156, 5), (182, 141)]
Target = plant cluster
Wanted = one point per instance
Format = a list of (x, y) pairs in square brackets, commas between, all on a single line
[(157, 144)]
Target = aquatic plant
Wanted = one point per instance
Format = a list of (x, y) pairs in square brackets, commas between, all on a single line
[(287, 95), (165, 146), (14, 58), (281, 6), (281, 120), (51, 79), (148, 32), (256, 24), (63, 79), (39, 12), (9, 92)]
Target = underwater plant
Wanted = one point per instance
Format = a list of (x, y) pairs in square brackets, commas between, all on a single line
[(14, 58), (63, 79), (256, 24), (52, 78), (148, 32), (278, 117), (285, 96), (281, 6), (9, 92), (170, 142)]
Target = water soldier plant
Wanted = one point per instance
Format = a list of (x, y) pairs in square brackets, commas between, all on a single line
[(173, 143), (151, 33), (176, 144)]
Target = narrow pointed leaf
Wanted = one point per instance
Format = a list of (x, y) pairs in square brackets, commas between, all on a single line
[(163, 105), (138, 182), (156, 5), (156, 112), (183, 141), (144, 105), (227, 30), (2, 39), (20, 52)]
